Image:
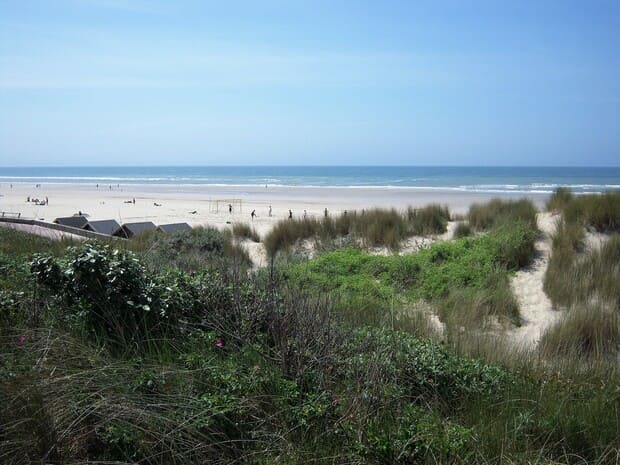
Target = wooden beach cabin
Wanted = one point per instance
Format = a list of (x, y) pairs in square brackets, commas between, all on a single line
[(129, 230), (72, 221), (173, 227), (108, 227)]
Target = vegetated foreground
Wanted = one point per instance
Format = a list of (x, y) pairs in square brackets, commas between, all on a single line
[(173, 353)]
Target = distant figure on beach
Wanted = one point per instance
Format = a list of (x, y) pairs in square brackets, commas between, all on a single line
[(193, 212), (305, 214), (345, 213), (156, 204), (28, 199), (47, 201), (134, 200), (325, 212), (269, 210), (230, 208), (290, 214), (253, 214), (110, 187), (80, 212), (97, 186)]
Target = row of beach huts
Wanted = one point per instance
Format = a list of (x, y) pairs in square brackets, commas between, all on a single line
[(114, 229)]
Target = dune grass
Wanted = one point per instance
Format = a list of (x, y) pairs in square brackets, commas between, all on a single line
[(589, 331), (245, 231), (599, 212), (585, 282), (461, 230), (373, 228), (496, 212), (560, 198)]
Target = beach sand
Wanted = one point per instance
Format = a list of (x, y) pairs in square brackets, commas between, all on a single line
[(177, 203)]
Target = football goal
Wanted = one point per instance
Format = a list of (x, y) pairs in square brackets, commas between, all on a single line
[(223, 205)]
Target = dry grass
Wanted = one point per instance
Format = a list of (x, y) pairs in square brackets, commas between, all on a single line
[(497, 212), (244, 230), (376, 227), (590, 331)]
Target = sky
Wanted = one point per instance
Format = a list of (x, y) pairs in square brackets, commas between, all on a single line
[(283, 82)]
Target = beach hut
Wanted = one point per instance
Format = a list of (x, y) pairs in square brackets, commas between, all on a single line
[(72, 221), (129, 230), (173, 227), (108, 227)]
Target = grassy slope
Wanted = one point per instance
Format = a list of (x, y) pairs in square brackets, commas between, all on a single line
[(256, 373)]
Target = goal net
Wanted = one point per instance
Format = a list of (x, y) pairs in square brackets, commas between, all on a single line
[(223, 205)]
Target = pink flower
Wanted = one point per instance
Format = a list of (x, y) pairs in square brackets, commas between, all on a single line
[(219, 343), (21, 340)]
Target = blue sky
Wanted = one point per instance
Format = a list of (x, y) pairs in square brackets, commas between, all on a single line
[(146, 82)]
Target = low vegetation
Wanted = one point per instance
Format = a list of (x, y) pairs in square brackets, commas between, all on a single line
[(166, 351), (470, 274), (244, 231), (585, 281), (372, 228), (487, 216)]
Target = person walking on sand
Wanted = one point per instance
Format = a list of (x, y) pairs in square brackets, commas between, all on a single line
[(134, 200), (230, 208), (47, 201), (325, 212), (290, 214), (305, 214), (269, 210), (253, 214)]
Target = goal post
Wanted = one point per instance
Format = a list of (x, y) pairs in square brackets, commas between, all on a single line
[(222, 205)]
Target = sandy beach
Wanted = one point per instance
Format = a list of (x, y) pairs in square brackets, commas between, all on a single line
[(208, 204)]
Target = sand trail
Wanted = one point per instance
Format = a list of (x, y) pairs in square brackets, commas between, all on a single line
[(536, 310)]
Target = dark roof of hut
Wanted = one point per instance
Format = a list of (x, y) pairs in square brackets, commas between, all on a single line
[(174, 227), (108, 227), (72, 221)]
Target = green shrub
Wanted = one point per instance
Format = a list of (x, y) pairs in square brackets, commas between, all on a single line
[(195, 249), (108, 287)]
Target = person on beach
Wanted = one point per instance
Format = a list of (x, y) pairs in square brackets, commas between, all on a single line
[(134, 200), (47, 201), (269, 210), (230, 208), (253, 214), (290, 214), (325, 212), (305, 214)]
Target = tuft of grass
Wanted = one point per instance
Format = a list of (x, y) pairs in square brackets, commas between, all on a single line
[(560, 198), (288, 232), (432, 219), (461, 230), (600, 212), (580, 278), (589, 331), (243, 230), (497, 211), (376, 227)]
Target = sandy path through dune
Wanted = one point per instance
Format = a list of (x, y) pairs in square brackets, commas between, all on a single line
[(537, 312)]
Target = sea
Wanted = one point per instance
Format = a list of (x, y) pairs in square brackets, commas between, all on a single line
[(482, 179)]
